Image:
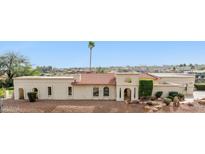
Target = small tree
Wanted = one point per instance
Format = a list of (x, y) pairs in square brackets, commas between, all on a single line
[(13, 64), (145, 88)]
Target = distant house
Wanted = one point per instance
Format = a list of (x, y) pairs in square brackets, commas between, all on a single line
[(108, 86)]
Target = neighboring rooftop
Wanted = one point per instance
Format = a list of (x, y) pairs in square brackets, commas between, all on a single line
[(172, 75), (44, 77)]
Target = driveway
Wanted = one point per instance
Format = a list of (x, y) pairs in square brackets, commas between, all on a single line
[(199, 95)]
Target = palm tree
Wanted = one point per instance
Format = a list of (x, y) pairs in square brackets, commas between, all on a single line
[(91, 45)]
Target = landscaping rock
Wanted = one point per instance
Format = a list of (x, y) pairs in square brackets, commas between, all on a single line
[(153, 98), (147, 108), (159, 107), (127, 102), (202, 102), (154, 109), (150, 103), (135, 102), (160, 99), (190, 104)]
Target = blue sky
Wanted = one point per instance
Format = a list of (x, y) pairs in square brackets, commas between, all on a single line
[(76, 54)]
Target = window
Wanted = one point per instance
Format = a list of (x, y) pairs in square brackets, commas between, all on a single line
[(95, 91), (120, 92), (134, 92), (106, 91), (49, 91), (70, 91)]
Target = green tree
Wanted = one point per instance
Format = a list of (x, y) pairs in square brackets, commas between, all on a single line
[(12, 65), (91, 45)]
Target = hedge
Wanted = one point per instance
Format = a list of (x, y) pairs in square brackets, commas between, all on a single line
[(159, 94), (145, 88), (200, 86), (173, 93)]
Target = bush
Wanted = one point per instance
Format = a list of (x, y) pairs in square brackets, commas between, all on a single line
[(173, 93), (167, 101), (200, 86), (171, 97), (176, 101), (2, 93), (145, 88), (181, 97), (159, 94), (10, 88), (32, 96)]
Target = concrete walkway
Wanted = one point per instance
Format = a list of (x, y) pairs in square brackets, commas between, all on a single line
[(199, 95), (196, 96)]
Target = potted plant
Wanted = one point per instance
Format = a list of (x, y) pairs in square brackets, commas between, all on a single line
[(32, 96)]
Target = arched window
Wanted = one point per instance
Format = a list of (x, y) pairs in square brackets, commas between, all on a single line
[(106, 91)]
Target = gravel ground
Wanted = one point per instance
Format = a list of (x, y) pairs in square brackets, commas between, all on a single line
[(50, 106)]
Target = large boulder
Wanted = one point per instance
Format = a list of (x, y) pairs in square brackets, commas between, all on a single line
[(150, 103), (135, 102), (190, 104), (202, 102), (147, 108), (160, 99)]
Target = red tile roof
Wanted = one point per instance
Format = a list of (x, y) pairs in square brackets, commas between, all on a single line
[(96, 79), (147, 76), (106, 78)]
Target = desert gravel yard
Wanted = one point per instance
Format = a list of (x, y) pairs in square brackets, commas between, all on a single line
[(50, 106)]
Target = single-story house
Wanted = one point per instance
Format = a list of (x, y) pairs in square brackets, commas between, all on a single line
[(107, 86)]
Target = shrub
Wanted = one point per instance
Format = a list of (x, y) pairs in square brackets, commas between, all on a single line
[(176, 101), (159, 94), (200, 86), (173, 93), (10, 88), (32, 96), (171, 97), (167, 101), (181, 96), (145, 88), (2, 93)]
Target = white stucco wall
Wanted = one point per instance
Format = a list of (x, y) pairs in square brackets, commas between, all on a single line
[(59, 88), (121, 85), (184, 82), (85, 92), (167, 88)]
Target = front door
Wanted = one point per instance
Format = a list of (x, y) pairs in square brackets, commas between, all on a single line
[(127, 94)]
